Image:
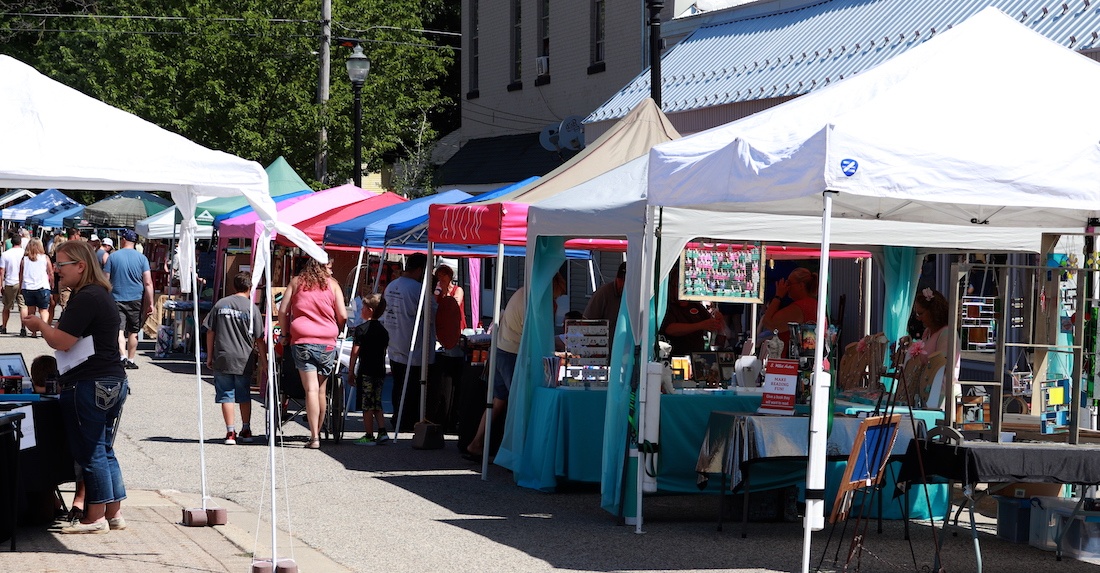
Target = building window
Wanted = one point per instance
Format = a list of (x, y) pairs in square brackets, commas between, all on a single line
[(517, 41), (598, 22), (471, 62), (544, 28)]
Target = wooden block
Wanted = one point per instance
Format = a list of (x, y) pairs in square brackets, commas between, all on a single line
[(217, 516), (194, 517)]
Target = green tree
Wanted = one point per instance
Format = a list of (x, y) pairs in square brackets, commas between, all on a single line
[(242, 76)]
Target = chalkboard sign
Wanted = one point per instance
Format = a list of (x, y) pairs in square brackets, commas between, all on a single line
[(712, 270)]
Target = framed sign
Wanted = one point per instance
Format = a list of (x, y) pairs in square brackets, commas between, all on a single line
[(713, 270)]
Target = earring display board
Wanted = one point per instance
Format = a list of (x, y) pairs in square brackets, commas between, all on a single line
[(587, 352), (713, 270)]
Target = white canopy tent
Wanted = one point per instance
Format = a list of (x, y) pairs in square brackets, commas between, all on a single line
[(55, 136), (932, 136), (163, 225), (943, 159)]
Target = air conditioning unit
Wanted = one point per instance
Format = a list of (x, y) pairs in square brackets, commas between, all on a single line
[(542, 66)]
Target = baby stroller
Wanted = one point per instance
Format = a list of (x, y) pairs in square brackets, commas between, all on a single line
[(291, 397)]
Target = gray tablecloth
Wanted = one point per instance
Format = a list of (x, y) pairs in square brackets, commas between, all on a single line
[(736, 437)]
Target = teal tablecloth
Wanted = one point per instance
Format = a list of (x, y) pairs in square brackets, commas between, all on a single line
[(683, 425), (929, 417), (565, 436)]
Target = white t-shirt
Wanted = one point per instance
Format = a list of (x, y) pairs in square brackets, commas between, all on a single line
[(402, 297), (9, 261)]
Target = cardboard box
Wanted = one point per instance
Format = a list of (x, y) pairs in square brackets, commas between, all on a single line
[(1028, 490)]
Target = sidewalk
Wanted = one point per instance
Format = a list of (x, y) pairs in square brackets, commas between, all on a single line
[(156, 541)]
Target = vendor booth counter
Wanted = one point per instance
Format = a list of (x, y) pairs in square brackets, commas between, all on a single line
[(566, 430)]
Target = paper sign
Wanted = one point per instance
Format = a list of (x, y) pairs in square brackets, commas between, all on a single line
[(780, 386), (76, 355), (27, 428)]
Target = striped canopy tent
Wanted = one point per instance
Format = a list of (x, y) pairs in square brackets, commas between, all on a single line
[(125, 209)]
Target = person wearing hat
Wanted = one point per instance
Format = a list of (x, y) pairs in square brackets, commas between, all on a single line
[(605, 302), (132, 289), (106, 246)]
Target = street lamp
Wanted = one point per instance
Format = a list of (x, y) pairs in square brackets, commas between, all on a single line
[(358, 68)]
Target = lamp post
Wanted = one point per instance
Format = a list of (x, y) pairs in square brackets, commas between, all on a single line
[(358, 68)]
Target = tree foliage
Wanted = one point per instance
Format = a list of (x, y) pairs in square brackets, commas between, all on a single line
[(242, 76)]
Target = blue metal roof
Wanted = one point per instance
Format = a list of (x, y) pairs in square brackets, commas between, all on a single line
[(796, 50)]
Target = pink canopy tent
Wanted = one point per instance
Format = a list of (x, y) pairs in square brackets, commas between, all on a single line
[(247, 226), (314, 227)]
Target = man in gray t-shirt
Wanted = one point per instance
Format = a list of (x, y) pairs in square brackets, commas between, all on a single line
[(234, 328)]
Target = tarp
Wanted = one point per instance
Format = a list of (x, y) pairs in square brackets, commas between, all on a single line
[(281, 179), (165, 225), (48, 202), (629, 138), (125, 209), (55, 220)]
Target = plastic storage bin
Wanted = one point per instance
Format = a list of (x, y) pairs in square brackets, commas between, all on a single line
[(1048, 517), (1013, 519)]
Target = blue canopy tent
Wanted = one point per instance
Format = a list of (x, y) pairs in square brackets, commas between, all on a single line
[(49, 201), (55, 219)]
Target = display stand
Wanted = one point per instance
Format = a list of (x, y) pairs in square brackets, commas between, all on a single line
[(586, 353), (1048, 307)]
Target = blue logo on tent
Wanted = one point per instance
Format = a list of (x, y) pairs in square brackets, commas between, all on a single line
[(849, 166)]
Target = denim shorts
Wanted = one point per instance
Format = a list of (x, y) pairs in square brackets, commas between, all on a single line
[(314, 357), (506, 368), (37, 298), (231, 388)]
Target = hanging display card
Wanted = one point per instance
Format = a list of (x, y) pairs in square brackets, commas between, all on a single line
[(780, 386), (586, 342), (712, 270)]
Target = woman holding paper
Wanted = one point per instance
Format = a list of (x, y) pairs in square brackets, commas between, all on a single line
[(93, 383)]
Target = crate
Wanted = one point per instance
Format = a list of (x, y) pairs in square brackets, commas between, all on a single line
[(1013, 519)]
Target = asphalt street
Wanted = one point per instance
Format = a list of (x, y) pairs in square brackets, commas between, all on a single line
[(393, 508)]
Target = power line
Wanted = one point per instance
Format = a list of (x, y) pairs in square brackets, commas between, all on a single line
[(162, 18), (534, 119)]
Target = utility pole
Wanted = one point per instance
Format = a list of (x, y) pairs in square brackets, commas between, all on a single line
[(320, 163), (655, 7)]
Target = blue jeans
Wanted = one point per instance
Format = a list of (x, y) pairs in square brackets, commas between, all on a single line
[(91, 412)]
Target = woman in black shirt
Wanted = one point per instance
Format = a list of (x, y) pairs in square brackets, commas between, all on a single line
[(94, 389)]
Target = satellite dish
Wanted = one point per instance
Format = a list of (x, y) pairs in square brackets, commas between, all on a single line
[(571, 133), (549, 138)]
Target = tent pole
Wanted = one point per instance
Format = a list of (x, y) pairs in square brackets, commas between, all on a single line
[(198, 380), (498, 285), (344, 334), (425, 339), (819, 399), (868, 273), (378, 274), (272, 405), (591, 274), (641, 368), (412, 346)]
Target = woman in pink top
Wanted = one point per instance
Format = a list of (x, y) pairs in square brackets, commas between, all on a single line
[(312, 314)]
